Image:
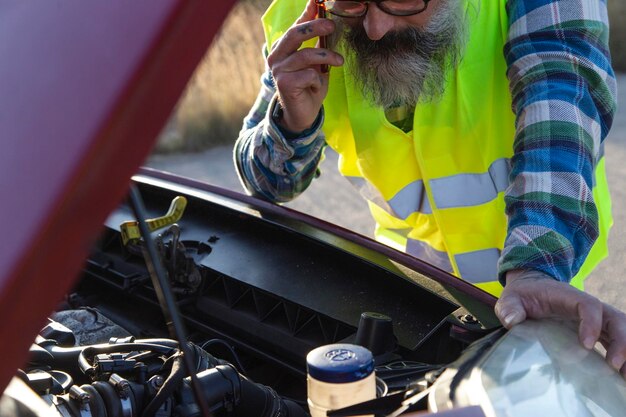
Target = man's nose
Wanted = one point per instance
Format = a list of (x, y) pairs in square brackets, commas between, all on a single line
[(376, 22)]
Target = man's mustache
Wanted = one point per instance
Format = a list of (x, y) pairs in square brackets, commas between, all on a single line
[(409, 40)]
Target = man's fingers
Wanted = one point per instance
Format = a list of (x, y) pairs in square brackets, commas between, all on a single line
[(293, 39), (589, 311), (306, 58), (614, 337), (510, 310), (309, 13), (547, 298), (298, 81), (540, 298), (615, 356)]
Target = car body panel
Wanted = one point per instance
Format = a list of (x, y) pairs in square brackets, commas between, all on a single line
[(86, 87)]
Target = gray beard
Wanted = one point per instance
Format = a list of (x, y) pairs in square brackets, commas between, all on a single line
[(407, 67)]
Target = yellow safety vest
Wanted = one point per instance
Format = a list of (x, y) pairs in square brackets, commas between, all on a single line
[(438, 192)]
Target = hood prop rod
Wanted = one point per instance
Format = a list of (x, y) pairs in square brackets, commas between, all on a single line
[(165, 296)]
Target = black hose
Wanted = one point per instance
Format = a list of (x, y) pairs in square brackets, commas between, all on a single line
[(262, 401), (227, 390), (203, 359), (171, 384), (221, 342), (110, 398), (86, 354), (96, 402)]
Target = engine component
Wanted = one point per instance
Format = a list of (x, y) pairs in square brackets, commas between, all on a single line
[(130, 229), (339, 375), (143, 378)]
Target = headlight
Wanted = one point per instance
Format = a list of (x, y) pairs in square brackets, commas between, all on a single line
[(537, 367)]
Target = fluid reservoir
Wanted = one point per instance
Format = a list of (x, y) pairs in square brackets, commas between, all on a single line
[(339, 375)]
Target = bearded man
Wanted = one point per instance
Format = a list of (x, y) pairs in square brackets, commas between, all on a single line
[(418, 105)]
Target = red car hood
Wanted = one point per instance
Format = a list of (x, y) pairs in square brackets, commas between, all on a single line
[(85, 87)]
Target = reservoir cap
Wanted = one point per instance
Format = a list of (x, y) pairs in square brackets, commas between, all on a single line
[(340, 363)]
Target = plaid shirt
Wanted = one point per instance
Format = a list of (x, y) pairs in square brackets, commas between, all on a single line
[(564, 98)]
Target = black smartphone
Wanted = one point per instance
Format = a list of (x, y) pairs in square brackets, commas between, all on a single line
[(321, 14)]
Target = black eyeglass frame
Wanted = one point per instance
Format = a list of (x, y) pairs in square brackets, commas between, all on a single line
[(379, 4)]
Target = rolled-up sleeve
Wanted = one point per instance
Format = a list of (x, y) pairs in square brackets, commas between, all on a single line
[(564, 99), (270, 164)]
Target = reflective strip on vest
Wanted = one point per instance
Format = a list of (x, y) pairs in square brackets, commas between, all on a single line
[(369, 192), (600, 156), (425, 252), (410, 199), (465, 190), (478, 266), (462, 190)]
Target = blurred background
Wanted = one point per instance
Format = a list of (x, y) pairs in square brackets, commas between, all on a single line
[(223, 87), (197, 141)]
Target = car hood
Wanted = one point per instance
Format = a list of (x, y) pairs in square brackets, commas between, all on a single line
[(86, 87)]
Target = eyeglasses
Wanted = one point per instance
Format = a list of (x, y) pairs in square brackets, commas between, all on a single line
[(349, 8)]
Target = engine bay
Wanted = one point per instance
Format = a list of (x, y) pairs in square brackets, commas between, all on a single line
[(255, 293)]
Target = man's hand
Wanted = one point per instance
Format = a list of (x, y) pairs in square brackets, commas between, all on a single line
[(532, 294), (300, 83)]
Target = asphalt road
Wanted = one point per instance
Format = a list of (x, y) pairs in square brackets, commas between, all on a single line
[(331, 198)]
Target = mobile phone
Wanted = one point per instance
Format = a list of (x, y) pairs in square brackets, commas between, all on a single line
[(321, 14)]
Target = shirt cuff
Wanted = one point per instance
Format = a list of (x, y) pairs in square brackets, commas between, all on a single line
[(274, 113), (537, 248)]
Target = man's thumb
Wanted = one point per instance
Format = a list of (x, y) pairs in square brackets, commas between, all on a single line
[(510, 310)]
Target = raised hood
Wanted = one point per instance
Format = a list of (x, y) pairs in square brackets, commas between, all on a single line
[(85, 87)]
